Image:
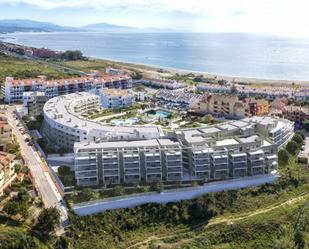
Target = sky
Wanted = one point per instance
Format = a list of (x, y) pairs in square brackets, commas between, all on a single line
[(282, 17)]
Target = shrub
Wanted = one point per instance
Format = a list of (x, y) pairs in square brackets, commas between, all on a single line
[(292, 147), (283, 157)]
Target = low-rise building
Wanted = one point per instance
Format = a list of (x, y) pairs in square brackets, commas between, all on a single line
[(34, 102), (297, 114), (120, 98), (7, 170), (14, 89)]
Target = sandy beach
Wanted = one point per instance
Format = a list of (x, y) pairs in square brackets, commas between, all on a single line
[(155, 70)]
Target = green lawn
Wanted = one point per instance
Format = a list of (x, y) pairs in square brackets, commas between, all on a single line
[(22, 68)]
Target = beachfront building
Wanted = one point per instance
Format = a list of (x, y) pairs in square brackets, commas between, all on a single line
[(64, 124), (7, 170), (14, 89), (33, 103), (127, 162), (162, 83), (116, 98)]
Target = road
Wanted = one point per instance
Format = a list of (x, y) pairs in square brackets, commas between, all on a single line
[(42, 179)]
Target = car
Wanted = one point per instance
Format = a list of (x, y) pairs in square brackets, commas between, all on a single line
[(303, 147)]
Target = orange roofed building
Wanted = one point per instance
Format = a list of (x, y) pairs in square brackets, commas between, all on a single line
[(14, 89)]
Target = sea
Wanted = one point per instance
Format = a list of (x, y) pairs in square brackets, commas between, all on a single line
[(230, 54)]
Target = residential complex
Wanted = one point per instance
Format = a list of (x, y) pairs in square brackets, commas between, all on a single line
[(116, 98), (14, 89), (64, 124), (230, 106), (7, 170), (233, 149)]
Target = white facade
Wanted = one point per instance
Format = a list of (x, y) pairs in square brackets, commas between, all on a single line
[(64, 125)]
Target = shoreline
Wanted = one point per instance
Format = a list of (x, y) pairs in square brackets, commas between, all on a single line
[(169, 71), (229, 78)]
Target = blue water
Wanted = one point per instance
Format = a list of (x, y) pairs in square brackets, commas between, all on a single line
[(247, 55), (160, 113)]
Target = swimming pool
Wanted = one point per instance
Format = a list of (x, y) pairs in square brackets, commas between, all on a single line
[(160, 113)]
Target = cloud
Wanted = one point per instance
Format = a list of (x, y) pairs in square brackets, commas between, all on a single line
[(275, 16)]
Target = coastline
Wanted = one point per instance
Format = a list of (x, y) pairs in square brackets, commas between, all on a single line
[(237, 79), (169, 71)]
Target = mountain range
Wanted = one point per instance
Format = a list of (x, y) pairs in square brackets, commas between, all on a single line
[(20, 25)]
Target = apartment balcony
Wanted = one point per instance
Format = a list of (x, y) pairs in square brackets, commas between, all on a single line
[(174, 169), (174, 176), (153, 170), (220, 161), (201, 168), (110, 166), (174, 164), (240, 172), (257, 164), (173, 158), (202, 174), (131, 165), (258, 171), (153, 165), (132, 178), (87, 181), (111, 172), (239, 165), (201, 162), (221, 166), (111, 179), (132, 171), (85, 174), (111, 161), (153, 177), (221, 174), (85, 168)]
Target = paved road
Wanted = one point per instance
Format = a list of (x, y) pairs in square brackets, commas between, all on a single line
[(175, 195), (43, 181)]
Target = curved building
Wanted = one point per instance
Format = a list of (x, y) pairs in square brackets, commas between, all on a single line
[(106, 154), (64, 125)]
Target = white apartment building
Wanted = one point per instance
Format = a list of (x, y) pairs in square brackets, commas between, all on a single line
[(127, 162), (116, 98), (64, 125), (14, 89)]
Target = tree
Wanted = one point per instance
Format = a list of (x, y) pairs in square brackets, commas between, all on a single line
[(301, 133), (306, 125), (48, 220), (283, 157), (118, 190), (292, 147), (17, 168), (297, 138), (64, 170)]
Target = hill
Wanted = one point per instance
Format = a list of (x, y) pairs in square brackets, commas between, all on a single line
[(20, 25)]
